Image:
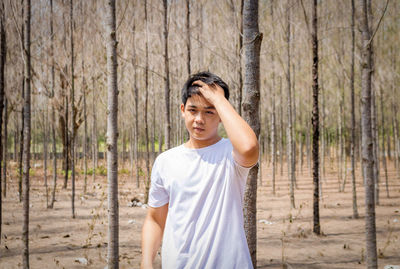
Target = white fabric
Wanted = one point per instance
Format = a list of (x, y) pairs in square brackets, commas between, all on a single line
[(204, 188)]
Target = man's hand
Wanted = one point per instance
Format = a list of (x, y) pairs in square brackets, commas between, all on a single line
[(212, 93)]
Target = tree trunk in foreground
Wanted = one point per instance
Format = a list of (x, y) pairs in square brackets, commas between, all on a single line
[(112, 136), (166, 66), (367, 143), (252, 41)]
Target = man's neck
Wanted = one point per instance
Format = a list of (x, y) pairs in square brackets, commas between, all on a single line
[(197, 144)]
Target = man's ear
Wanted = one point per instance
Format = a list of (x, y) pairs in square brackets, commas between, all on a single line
[(182, 110)]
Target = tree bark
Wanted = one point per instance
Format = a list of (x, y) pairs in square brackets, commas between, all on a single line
[(273, 116), (188, 47), (367, 143), (289, 111), (45, 143), (3, 185), (252, 41), (27, 132), (166, 66), (3, 51), (71, 27), (383, 145), (112, 137), (146, 128), (315, 118), (353, 117)]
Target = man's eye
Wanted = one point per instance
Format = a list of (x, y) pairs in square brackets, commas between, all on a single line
[(192, 110), (210, 112)]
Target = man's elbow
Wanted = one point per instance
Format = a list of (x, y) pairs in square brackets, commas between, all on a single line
[(249, 154)]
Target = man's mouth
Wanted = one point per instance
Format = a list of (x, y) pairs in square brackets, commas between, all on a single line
[(198, 129)]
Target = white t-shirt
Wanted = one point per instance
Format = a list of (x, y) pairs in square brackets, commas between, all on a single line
[(205, 189)]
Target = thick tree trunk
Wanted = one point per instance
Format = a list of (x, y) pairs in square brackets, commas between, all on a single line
[(27, 132), (289, 112), (239, 53), (252, 41), (353, 117), (367, 143), (166, 66), (112, 137), (315, 118)]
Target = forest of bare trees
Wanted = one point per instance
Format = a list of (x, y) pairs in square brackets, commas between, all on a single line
[(90, 92)]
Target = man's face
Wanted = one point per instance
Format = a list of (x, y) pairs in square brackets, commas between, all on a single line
[(201, 118)]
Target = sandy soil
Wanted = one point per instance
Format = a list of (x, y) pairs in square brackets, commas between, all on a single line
[(285, 238)]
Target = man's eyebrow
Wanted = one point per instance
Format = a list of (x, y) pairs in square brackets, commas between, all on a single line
[(209, 107)]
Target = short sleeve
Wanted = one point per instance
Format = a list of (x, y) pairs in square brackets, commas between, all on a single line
[(158, 195)]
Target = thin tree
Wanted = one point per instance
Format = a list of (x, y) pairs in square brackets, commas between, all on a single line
[(2, 71), (85, 137), (252, 41), (289, 111), (21, 140), (188, 47), (3, 187), (367, 143), (353, 117), (315, 117), (383, 145), (146, 128), (273, 116), (27, 132), (166, 66), (71, 29), (53, 112), (112, 136), (45, 143)]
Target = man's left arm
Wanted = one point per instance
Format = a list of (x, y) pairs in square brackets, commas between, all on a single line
[(241, 135)]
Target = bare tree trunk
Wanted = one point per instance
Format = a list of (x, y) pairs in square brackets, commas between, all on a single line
[(353, 117), (53, 117), (188, 47), (315, 118), (240, 48), (21, 141), (252, 41), (166, 66), (3, 51), (367, 143), (281, 126), (94, 133), (289, 111), (3, 185), (375, 139), (273, 116), (71, 24), (27, 132), (395, 124), (112, 137), (146, 128), (85, 136), (45, 142), (136, 97), (383, 146)]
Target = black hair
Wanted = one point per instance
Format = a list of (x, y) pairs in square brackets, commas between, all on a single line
[(209, 78)]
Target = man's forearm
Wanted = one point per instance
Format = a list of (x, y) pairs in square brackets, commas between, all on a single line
[(151, 241), (240, 134)]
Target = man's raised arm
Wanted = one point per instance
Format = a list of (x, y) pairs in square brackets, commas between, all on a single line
[(242, 137)]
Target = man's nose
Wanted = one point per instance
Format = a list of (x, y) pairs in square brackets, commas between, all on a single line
[(199, 118)]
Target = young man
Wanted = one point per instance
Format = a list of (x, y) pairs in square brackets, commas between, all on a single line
[(196, 194)]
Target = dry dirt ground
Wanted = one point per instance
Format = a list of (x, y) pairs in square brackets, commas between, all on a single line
[(285, 238)]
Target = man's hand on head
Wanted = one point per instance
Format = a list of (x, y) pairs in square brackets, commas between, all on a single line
[(211, 92)]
